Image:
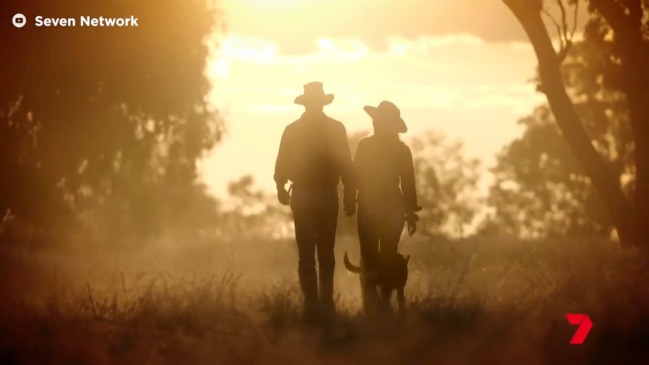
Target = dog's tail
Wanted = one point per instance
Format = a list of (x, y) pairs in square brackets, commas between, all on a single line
[(351, 267)]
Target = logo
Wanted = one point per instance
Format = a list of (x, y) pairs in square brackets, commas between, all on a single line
[(19, 20), (584, 325)]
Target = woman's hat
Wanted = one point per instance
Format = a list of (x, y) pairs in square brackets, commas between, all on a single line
[(389, 114), (314, 94)]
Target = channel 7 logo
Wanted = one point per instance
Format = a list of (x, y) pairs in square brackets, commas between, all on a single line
[(584, 323)]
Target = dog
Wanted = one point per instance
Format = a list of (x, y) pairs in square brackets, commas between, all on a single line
[(392, 275)]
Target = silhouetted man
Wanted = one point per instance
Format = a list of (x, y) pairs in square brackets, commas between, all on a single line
[(314, 155)]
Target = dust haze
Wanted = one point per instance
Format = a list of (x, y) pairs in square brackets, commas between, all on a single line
[(113, 249)]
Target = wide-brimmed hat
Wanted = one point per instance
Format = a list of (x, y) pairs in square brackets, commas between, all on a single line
[(314, 94), (389, 114)]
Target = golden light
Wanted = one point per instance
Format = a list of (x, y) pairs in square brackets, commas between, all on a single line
[(433, 79)]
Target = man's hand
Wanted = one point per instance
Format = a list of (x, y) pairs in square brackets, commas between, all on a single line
[(411, 220), (283, 196)]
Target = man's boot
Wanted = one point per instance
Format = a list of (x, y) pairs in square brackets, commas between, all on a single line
[(369, 291), (327, 306), (309, 285)]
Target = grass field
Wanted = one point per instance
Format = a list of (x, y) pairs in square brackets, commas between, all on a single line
[(469, 302)]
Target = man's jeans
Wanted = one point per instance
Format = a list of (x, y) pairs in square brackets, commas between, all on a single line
[(315, 213)]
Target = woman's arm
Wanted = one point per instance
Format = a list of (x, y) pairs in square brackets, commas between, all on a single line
[(408, 186)]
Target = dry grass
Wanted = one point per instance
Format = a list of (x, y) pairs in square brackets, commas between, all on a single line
[(470, 302)]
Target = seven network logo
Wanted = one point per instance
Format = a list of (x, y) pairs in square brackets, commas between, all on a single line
[(20, 20), (584, 325)]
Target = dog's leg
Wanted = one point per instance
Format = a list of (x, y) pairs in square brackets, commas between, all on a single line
[(402, 300), (386, 295)]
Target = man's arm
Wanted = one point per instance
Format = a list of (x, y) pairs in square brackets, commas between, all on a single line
[(346, 171), (281, 168)]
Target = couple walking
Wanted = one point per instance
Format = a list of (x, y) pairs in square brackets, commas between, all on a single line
[(314, 155)]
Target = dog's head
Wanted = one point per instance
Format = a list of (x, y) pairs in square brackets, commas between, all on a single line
[(395, 259), (394, 269)]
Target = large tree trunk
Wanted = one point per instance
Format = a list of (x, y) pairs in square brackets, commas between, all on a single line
[(639, 108), (528, 13), (637, 93), (633, 51)]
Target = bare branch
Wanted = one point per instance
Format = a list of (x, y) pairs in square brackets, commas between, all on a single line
[(564, 25), (567, 39), (558, 26), (575, 21)]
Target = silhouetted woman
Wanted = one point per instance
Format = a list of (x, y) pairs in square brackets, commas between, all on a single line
[(384, 190)]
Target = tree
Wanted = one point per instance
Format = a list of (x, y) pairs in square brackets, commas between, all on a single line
[(540, 188), (104, 118), (446, 185), (253, 214), (629, 29)]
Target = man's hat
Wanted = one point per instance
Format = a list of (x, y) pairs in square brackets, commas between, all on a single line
[(389, 114), (314, 94)]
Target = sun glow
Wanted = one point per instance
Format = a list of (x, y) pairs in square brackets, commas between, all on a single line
[(244, 48), (432, 80), (275, 3)]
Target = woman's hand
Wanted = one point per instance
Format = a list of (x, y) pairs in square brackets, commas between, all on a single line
[(283, 196), (350, 210), (349, 204), (412, 227)]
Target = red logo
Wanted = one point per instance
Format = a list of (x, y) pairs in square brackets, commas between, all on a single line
[(584, 323)]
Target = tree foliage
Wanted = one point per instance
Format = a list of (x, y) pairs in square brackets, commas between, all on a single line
[(540, 187), (105, 122), (253, 213), (617, 33), (447, 185)]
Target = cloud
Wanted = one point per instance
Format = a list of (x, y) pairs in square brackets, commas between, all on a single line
[(441, 67), (235, 48), (293, 27), (425, 44), (517, 98)]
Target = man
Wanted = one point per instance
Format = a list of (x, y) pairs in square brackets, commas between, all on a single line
[(314, 156)]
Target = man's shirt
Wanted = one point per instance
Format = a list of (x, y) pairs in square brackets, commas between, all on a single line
[(314, 153)]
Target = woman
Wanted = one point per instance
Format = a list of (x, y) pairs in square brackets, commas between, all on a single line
[(384, 191)]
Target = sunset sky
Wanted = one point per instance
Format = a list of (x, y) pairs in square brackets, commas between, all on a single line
[(457, 66)]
